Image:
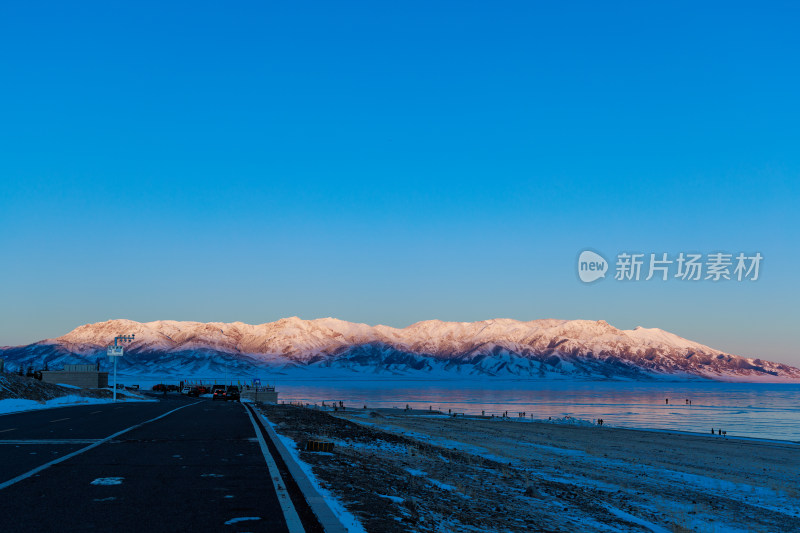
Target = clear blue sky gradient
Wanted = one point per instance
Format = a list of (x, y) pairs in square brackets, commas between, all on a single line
[(389, 163)]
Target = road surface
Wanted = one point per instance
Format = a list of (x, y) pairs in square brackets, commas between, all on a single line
[(187, 464)]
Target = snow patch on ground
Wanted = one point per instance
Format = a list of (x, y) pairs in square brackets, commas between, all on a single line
[(554, 449), (443, 486), (108, 481), (377, 446), (634, 519)]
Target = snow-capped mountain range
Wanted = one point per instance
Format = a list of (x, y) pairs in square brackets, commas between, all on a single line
[(501, 347)]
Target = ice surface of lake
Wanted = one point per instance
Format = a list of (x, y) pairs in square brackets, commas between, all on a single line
[(769, 411), (760, 410)]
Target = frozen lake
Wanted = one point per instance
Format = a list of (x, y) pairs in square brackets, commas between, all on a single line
[(761, 410), (769, 411)]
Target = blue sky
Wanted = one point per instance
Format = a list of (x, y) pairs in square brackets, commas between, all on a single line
[(394, 163)]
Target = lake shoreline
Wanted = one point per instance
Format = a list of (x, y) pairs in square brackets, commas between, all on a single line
[(585, 423)]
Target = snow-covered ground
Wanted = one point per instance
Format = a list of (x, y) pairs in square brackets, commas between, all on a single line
[(422, 473), (657, 480)]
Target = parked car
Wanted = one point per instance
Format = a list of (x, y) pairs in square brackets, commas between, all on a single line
[(233, 393), (194, 391), (159, 387), (186, 390)]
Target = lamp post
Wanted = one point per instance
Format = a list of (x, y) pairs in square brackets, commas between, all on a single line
[(115, 352)]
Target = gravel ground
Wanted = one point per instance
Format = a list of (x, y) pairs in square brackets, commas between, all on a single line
[(420, 473)]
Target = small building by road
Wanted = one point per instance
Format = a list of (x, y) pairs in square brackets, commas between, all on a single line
[(83, 376)]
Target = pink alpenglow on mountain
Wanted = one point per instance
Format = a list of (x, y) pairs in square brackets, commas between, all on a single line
[(549, 349)]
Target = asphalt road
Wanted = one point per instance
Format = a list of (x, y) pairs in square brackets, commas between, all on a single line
[(199, 468)]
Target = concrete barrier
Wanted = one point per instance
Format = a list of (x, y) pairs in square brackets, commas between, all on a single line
[(263, 396)]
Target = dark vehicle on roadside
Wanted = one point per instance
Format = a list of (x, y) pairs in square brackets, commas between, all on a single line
[(159, 387), (173, 388), (233, 394), (203, 389), (194, 391)]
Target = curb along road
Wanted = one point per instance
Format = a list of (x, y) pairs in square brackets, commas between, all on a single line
[(315, 514)]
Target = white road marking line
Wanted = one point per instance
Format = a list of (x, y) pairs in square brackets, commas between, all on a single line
[(241, 519), (45, 466), (95, 412), (5, 430), (48, 441), (289, 513), (59, 420)]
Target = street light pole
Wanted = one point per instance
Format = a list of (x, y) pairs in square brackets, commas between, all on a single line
[(115, 352)]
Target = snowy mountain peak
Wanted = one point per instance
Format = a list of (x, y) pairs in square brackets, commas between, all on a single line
[(539, 348)]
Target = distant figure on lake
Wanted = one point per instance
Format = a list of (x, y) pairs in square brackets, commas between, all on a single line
[(667, 401), (712, 431)]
